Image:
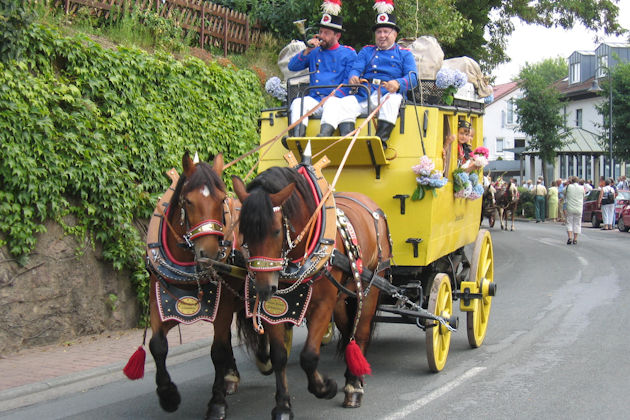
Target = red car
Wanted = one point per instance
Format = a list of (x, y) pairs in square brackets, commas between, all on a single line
[(623, 222), (592, 211)]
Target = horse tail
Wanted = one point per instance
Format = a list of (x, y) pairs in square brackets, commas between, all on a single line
[(246, 331)]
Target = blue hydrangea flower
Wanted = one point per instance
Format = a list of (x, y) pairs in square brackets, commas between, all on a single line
[(474, 178)]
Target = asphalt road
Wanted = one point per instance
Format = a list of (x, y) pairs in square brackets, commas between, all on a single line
[(556, 348)]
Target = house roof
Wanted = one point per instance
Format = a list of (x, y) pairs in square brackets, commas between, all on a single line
[(578, 141), (499, 91), (575, 89)]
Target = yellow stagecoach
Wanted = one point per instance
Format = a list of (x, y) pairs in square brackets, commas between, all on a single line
[(429, 268)]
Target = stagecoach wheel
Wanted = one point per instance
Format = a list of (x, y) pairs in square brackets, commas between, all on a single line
[(482, 273), (330, 333), (438, 337)]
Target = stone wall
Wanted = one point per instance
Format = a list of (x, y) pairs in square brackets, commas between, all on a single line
[(60, 295)]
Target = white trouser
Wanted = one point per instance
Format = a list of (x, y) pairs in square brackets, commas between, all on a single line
[(347, 109), (608, 214), (574, 222), (309, 103)]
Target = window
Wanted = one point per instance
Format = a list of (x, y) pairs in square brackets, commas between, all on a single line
[(578, 118), (499, 145), (602, 65), (502, 119), (564, 173), (511, 104), (575, 73)]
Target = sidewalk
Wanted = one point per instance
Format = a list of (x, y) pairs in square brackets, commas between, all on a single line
[(37, 374)]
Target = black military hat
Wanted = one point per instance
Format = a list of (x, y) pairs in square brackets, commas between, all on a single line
[(331, 22), (385, 20), (464, 124)]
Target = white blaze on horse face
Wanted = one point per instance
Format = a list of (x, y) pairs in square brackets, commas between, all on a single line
[(205, 191)]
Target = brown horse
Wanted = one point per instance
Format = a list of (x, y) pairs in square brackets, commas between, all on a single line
[(488, 205), (507, 202), (277, 205), (182, 289)]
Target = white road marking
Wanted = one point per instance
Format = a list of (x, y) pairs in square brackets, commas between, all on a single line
[(418, 404)]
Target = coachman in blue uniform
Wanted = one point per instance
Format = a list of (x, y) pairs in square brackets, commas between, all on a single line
[(330, 63), (385, 67)]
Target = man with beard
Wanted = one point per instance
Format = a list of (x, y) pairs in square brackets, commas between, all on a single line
[(329, 63)]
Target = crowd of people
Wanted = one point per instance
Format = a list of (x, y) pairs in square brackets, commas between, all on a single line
[(564, 201)]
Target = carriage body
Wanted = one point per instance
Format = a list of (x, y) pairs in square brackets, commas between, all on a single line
[(438, 223)]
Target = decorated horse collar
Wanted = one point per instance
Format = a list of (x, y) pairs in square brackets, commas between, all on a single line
[(322, 239)]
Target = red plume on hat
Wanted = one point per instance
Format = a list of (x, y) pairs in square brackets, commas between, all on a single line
[(332, 7), (384, 6)]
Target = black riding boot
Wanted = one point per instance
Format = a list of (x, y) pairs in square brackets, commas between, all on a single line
[(326, 130), (298, 131), (383, 131), (346, 128)]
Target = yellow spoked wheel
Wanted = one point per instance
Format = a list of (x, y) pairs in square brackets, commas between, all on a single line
[(482, 274), (438, 337), (330, 333)]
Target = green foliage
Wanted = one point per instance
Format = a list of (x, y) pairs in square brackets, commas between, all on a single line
[(525, 202), (539, 109), (90, 132), (15, 18), (621, 111)]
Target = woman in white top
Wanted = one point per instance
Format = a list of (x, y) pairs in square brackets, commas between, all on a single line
[(608, 206), (574, 198)]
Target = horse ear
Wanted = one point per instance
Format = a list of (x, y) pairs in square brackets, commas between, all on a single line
[(188, 165), (239, 188), (281, 196), (218, 164)]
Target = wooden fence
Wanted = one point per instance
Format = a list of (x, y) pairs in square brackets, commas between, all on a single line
[(216, 25)]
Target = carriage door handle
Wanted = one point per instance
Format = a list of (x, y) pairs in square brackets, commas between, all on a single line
[(414, 242), (402, 198)]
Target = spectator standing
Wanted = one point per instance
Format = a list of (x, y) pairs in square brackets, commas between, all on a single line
[(561, 202), (623, 183), (329, 63), (574, 196), (552, 201), (539, 192), (607, 202)]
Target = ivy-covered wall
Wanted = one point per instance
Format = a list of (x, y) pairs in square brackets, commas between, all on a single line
[(89, 132)]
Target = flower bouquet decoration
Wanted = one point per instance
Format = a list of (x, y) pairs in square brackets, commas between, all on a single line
[(450, 80), (478, 160), (427, 178), (466, 185)]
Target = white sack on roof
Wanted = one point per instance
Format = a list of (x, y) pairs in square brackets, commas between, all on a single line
[(285, 56), (473, 71), (428, 55)]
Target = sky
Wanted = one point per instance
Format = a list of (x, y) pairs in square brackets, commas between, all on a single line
[(529, 43)]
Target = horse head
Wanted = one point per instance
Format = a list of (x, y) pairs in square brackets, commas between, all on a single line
[(273, 213), (202, 202)]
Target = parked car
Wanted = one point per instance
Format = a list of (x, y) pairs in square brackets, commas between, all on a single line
[(592, 211), (623, 222)]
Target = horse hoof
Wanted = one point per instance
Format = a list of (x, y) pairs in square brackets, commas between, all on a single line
[(264, 368), (281, 413), (353, 400), (216, 412), (169, 397), (327, 392)]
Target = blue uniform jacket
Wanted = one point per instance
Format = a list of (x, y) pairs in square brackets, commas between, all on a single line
[(394, 63), (331, 67)]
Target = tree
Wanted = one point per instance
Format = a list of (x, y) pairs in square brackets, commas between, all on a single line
[(496, 19), (620, 114), (539, 110)]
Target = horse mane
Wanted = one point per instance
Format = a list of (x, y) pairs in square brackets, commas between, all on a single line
[(203, 175), (257, 210)]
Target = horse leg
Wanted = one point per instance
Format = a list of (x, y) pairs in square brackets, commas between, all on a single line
[(278, 353), (226, 376), (319, 317), (354, 388), (166, 389)]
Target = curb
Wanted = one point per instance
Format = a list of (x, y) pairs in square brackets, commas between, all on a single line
[(24, 395)]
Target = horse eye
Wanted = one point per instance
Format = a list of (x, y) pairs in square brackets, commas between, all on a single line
[(276, 232)]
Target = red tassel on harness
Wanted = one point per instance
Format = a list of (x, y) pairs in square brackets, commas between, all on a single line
[(135, 366), (357, 364)]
